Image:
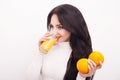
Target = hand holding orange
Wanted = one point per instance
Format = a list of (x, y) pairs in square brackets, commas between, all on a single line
[(97, 57), (82, 64)]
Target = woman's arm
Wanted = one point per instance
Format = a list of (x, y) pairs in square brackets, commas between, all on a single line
[(33, 70)]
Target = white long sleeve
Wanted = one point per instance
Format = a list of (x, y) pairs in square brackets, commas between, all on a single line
[(33, 70), (52, 65)]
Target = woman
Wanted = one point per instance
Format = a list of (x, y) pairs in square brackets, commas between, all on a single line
[(67, 24)]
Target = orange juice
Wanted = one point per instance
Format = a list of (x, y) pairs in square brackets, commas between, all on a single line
[(47, 45)]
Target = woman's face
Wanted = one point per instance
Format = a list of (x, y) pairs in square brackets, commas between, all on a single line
[(57, 29)]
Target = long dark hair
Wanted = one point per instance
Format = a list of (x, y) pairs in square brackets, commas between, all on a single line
[(73, 21)]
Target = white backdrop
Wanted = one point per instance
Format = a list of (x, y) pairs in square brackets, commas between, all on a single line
[(22, 22)]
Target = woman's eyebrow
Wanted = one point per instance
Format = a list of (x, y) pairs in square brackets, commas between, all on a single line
[(58, 25)]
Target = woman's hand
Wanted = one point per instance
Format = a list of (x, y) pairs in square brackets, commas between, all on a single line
[(92, 68), (44, 38)]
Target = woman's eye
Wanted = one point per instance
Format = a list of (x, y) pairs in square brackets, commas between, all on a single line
[(60, 27), (51, 26)]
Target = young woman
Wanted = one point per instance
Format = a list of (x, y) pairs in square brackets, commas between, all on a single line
[(67, 24)]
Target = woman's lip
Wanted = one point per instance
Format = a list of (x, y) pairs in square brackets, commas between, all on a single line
[(58, 38)]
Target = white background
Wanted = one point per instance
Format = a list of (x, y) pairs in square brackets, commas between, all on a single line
[(22, 22)]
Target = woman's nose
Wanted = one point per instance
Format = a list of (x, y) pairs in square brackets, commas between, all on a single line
[(55, 31)]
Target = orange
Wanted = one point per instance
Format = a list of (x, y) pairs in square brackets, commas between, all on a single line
[(82, 65), (97, 57)]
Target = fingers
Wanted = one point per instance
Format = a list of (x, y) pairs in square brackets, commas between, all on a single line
[(44, 38), (92, 67), (100, 65), (46, 35)]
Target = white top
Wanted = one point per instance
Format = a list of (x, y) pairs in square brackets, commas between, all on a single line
[(51, 66)]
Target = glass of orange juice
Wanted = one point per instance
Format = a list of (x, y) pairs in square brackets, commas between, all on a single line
[(47, 45)]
